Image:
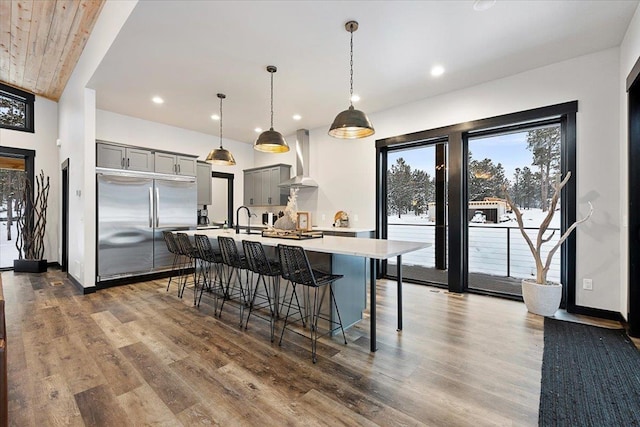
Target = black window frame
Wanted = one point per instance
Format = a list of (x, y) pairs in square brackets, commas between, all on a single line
[(29, 101)]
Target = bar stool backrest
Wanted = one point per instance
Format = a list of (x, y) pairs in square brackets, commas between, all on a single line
[(203, 246), (230, 254), (257, 258), (170, 241), (295, 265), (186, 248)]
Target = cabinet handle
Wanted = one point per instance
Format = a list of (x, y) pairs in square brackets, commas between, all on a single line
[(122, 162), (178, 167), (250, 201), (128, 162), (269, 200)]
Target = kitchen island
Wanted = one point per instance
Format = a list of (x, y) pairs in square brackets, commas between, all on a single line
[(346, 254)]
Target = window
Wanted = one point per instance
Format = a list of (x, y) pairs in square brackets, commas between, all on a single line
[(16, 109)]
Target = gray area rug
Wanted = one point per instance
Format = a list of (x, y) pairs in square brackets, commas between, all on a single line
[(590, 376)]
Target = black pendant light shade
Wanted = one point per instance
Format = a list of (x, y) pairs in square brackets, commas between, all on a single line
[(351, 123), (221, 156), (271, 141)]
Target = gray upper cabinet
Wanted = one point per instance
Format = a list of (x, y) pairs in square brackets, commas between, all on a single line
[(139, 159), (261, 186), (204, 183), (175, 164), (120, 157)]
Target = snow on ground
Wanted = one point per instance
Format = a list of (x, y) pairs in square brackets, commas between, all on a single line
[(8, 251), (491, 246)]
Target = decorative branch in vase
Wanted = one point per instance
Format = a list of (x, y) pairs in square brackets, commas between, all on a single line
[(534, 299), (31, 210)]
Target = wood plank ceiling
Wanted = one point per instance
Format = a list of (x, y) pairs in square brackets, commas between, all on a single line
[(41, 42)]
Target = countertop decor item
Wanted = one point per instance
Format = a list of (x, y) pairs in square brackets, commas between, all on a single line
[(31, 224), (351, 123), (303, 221), (540, 296), (271, 141), (221, 156), (289, 220), (341, 219)]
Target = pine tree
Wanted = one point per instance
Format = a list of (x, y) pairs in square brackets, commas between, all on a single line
[(399, 188), (545, 145)]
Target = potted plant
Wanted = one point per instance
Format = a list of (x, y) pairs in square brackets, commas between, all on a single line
[(540, 296), (31, 211)]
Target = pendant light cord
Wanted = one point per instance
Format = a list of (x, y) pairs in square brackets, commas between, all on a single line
[(271, 100), (220, 122), (351, 74)]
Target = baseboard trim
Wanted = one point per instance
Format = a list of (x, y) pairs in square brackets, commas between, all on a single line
[(85, 290), (596, 312), (136, 279)]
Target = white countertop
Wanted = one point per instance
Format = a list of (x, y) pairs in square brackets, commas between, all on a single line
[(363, 247)]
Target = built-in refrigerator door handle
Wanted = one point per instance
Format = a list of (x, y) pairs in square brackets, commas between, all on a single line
[(157, 207), (150, 207)]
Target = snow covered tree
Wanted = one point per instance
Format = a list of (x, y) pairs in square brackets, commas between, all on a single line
[(400, 188)]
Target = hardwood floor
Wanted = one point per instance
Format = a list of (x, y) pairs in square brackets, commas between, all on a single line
[(138, 355)]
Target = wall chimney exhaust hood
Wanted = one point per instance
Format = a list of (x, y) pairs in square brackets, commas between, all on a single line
[(301, 180)]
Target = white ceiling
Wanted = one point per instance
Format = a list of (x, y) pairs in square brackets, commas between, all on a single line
[(187, 51)]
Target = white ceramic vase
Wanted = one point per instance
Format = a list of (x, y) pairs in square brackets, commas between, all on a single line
[(541, 299)]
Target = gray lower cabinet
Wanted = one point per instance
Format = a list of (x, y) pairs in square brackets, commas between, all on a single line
[(120, 157), (203, 179), (261, 185), (175, 164)]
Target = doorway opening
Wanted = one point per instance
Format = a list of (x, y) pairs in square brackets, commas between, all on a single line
[(221, 209), (14, 164), (64, 261)]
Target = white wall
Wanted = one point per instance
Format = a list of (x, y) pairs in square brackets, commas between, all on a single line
[(345, 169), (143, 133), (76, 127), (629, 54), (43, 141)]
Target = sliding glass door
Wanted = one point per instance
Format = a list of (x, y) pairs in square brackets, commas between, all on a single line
[(415, 209), (526, 163)]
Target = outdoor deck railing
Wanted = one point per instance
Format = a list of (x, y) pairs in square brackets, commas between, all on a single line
[(493, 249)]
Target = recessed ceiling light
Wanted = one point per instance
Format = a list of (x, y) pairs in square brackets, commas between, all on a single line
[(215, 117), (258, 130), (437, 70), (297, 117), (480, 5), (355, 98), (157, 100)]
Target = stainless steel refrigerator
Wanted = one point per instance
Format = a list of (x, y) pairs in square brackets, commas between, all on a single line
[(133, 211)]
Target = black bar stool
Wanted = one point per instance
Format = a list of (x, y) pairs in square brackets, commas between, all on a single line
[(235, 264), (297, 270), (172, 247), (211, 266), (191, 254), (259, 264)]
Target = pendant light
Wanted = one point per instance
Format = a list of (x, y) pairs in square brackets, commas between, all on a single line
[(271, 141), (351, 123), (221, 156)]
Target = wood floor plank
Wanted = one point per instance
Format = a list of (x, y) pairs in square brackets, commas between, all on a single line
[(143, 404), (161, 346), (99, 407), (165, 383), (117, 333), (329, 411), (122, 376), (77, 364), (56, 405), (21, 399)]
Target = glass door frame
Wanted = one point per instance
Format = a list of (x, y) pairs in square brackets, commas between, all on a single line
[(457, 141)]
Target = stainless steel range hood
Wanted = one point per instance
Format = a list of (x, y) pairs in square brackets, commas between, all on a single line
[(301, 180)]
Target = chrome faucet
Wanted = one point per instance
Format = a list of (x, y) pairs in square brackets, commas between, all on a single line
[(249, 215)]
